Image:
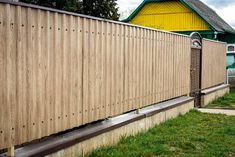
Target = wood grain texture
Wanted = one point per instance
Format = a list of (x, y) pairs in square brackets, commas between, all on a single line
[(60, 71), (213, 63)]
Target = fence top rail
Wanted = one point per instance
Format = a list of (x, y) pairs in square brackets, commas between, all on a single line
[(84, 16), (215, 41)]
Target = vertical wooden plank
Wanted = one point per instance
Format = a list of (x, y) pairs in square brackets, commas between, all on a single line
[(17, 120), (53, 110), (68, 115), (41, 68), (30, 79), (113, 70), (137, 69), (9, 76), (132, 69), (22, 77), (180, 59), (148, 67), (103, 69), (79, 62), (184, 66), (59, 48), (64, 97), (122, 66), (176, 65), (169, 65), (45, 120), (73, 71), (91, 66), (145, 68), (97, 70), (13, 71), (126, 68), (141, 68), (157, 84), (109, 69), (129, 63), (153, 67), (86, 49), (117, 80), (161, 66), (165, 65), (170, 61), (52, 72), (136, 73), (3, 133), (68, 72)]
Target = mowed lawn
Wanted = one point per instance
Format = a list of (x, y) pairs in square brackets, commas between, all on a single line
[(227, 101), (194, 134)]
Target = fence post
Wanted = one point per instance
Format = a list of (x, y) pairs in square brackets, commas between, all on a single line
[(11, 151), (138, 111)]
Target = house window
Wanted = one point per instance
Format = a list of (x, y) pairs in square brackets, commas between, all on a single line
[(231, 48)]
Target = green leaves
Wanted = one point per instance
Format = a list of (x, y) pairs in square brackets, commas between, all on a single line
[(107, 9)]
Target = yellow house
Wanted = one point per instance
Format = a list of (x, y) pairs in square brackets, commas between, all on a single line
[(182, 16)]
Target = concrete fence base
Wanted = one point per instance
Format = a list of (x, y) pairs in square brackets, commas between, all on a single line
[(211, 94), (113, 137)]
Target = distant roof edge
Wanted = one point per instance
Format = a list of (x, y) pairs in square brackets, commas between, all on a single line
[(202, 10)]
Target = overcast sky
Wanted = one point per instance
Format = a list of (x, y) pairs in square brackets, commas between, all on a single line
[(224, 8)]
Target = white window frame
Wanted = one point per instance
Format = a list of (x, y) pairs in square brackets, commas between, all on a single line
[(231, 52)]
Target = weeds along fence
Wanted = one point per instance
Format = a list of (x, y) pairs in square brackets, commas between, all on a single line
[(213, 63), (61, 70)]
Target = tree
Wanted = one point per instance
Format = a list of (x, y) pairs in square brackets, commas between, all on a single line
[(104, 9)]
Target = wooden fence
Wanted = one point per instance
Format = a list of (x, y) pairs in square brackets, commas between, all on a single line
[(60, 70), (213, 63)]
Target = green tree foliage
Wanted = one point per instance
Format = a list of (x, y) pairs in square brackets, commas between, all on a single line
[(104, 9)]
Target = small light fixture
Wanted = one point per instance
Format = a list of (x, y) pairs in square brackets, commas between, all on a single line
[(215, 35)]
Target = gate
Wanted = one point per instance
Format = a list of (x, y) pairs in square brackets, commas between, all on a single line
[(195, 69)]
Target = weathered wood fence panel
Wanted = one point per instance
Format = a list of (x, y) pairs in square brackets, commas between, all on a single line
[(213, 63), (59, 71)]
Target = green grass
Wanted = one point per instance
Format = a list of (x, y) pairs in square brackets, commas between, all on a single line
[(194, 134), (226, 101)]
